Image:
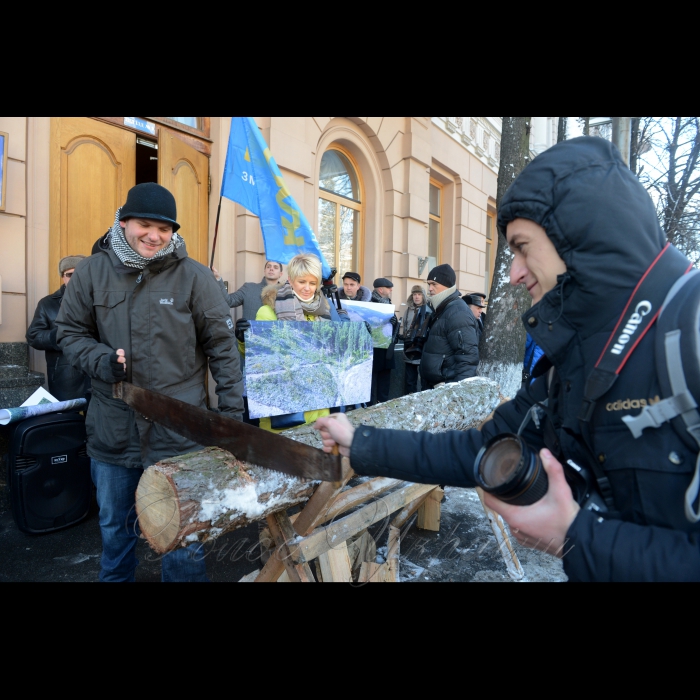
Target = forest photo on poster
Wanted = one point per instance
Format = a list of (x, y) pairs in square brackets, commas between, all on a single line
[(298, 367)]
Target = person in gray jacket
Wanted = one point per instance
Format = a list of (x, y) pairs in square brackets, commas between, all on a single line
[(142, 311), (249, 296)]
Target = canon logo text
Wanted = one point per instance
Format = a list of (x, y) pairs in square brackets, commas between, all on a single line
[(643, 309)]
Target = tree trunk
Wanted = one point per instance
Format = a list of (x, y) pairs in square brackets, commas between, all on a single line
[(563, 124), (635, 146), (201, 496), (502, 347)]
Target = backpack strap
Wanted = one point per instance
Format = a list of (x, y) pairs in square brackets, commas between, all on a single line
[(638, 317), (678, 366)]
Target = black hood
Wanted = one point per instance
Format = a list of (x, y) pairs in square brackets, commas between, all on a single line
[(602, 222)]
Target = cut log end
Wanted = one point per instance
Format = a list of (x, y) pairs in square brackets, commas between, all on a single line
[(158, 510)]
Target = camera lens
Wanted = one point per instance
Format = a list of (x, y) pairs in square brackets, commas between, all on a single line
[(508, 469)]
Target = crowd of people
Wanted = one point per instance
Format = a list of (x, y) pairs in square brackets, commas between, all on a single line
[(140, 310)]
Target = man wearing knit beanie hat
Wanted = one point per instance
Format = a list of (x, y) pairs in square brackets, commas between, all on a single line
[(141, 310), (65, 383), (452, 351)]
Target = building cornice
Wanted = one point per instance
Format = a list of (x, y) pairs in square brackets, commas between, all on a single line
[(481, 136)]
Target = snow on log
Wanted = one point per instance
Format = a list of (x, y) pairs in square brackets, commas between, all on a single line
[(200, 496), (203, 495), (459, 406)]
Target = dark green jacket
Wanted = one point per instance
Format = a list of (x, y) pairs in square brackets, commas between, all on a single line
[(169, 319)]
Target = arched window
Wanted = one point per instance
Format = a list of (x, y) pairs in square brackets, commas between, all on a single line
[(339, 211)]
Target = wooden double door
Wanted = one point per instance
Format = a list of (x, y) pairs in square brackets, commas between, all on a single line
[(93, 167)]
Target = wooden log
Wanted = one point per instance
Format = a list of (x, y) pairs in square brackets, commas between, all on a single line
[(430, 512), (196, 498), (324, 539), (205, 494), (451, 407)]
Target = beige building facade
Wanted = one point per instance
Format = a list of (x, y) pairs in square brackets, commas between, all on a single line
[(389, 196)]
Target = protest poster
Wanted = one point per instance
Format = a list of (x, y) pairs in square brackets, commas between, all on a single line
[(379, 318), (299, 367)]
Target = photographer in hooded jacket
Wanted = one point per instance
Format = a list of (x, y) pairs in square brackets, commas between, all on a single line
[(563, 462)]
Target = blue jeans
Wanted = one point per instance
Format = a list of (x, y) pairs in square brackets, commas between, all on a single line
[(116, 497)]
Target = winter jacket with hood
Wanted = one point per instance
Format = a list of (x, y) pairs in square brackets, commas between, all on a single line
[(452, 351), (170, 319), (604, 226), (65, 382)]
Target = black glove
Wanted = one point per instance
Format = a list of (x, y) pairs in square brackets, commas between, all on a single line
[(115, 372), (241, 327), (394, 322), (368, 327)]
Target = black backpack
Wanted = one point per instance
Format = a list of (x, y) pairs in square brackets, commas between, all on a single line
[(678, 368)]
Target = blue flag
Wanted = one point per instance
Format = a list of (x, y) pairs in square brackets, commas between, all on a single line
[(252, 178)]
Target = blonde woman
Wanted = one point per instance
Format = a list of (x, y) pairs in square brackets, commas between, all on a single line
[(299, 299)]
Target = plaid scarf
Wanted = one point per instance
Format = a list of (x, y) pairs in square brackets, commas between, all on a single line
[(128, 255), (377, 298), (289, 307)]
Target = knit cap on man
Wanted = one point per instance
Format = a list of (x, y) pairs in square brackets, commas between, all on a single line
[(444, 275), (153, 202)]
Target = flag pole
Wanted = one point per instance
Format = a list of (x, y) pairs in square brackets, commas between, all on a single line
[(216, 231)]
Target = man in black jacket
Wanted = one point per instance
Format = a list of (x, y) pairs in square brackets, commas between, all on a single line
[(584, 234), (65, 382), (452, 351)]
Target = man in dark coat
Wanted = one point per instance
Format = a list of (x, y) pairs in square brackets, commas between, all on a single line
[(452, 351), (476, 305), (142, 311), (249, 296), (584, 233), (65, 382)]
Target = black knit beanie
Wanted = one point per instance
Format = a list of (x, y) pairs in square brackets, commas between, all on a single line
[(151, 201), (444, 275)]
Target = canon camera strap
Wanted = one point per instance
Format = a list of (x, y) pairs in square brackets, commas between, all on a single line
[(640, 314)]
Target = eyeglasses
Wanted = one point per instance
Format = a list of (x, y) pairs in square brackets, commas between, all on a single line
[(68, 275)]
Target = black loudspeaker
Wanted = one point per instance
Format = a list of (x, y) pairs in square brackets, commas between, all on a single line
[(48, 472)]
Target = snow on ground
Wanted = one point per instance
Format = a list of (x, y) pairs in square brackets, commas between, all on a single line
[(465, 550)]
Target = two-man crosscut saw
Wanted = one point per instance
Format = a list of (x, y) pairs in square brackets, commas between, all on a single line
[(245, 442)]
